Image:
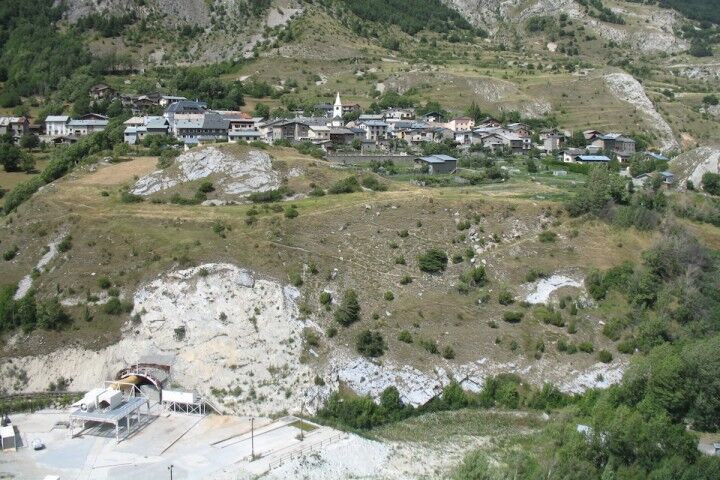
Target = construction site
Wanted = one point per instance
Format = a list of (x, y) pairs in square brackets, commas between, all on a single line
[(135, 427)]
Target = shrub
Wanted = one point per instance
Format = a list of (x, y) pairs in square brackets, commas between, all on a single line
[(127, 197), (433, 261), (331, 331), (10, 253), (115, 307), (711, 183), (291, 212), (429, 345), (604, 356), (349, 310), (370, 344), (373, 184), (505, 297), (513, 317), (268, 196), (206, 187), (347, 185), (65, 244), (457, 258), (180, 333), (547, 236), (535, 274), (311, 338), (104, 283), (448, 353), (317, 192), (325, 298), (389, 296), (586, 347), (548, 316), (405, 280), (400, 260), (405, 336), (403, 234)]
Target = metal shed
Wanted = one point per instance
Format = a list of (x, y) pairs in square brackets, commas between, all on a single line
[(438, 164)]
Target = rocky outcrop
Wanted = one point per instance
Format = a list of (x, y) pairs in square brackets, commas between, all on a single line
[(694, 164), (232, 174), (626, 88), (234, 337)]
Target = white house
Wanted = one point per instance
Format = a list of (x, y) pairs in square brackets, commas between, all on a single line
[(57, 125), (374, 129)]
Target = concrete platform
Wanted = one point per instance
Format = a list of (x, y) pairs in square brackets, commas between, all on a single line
[(209, 447)]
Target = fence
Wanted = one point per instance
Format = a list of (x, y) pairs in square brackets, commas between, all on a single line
[(307, 449)]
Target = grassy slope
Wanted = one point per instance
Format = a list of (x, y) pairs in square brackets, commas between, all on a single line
[(131, 243)]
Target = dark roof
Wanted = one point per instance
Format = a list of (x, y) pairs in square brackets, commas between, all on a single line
[(186, 106), (437, 158)]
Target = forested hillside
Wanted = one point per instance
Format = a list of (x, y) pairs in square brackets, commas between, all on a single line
[(410, 16), (34, 54), (704, 10)]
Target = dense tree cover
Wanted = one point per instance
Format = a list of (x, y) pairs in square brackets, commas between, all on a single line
[(411, 16), (29, 313), (34, 54), (107, 25), (703, 10), (507, 391), (597, 9)]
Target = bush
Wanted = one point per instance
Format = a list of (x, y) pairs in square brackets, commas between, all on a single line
[(586, 347), (325, 298), (65, 244), (389, 296), (268, 196), (604, 356), (547, 236), (349, 310), (535, 274), (548, 316), (711, 183), (513, 317), (476, 277), (370, 344), (433, 261), (373, 184), (405, 336), (505, 297), (291, 212), (347, 185), (127, 197), (206, 187), (115, 307), (429, 345), (317, 192), (405, 280), (448, 353), (10, 253), (104, 283)]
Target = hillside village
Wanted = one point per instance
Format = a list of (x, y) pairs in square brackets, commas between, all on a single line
[(342, 129), (377, 239)]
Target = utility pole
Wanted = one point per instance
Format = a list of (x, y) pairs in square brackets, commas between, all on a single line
[(302, 430), (171, 471), (252, 437)]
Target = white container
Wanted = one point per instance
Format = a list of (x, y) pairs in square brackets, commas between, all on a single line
[(178, 396)]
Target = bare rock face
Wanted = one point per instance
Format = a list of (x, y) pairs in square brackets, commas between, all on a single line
[(232, 175), (654, 31), (234, 337), (626, 88), (694, 164)]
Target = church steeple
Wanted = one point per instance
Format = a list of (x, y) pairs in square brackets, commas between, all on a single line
[(337, 108)]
